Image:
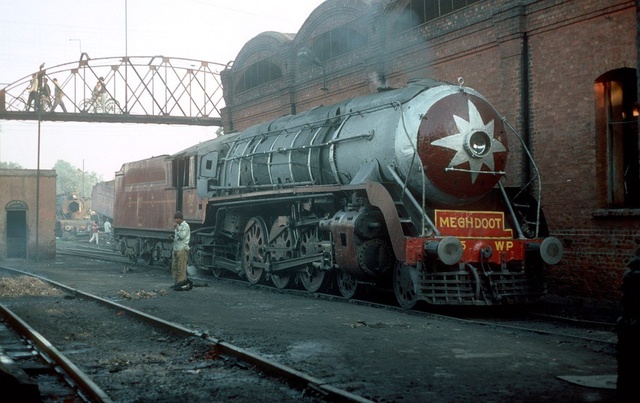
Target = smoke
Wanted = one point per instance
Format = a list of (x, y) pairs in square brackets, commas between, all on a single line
[(377, 81)]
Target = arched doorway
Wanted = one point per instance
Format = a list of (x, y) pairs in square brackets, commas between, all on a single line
[(16, 229)]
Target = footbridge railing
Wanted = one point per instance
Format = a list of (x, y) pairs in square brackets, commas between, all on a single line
[(140, 89)]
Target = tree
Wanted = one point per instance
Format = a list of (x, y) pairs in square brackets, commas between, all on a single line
[(10, 165), (73, 180)]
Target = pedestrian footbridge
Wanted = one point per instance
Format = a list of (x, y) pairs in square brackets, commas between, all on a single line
[(140, 89)]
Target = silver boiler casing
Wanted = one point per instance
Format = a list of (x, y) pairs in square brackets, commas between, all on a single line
[(364, 139)]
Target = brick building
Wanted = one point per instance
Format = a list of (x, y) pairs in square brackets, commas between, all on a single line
[(24, 203), (563, 73)]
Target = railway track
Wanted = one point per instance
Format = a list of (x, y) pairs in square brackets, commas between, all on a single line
[(375, 351), (201, 344), (32, 368), (106, 254), (530, 319)]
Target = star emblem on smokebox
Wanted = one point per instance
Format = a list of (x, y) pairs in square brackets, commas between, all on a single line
[(460, 142)]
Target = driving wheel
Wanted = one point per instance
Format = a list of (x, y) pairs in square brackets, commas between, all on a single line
[(282, 239), (253, 249), (311, 277)]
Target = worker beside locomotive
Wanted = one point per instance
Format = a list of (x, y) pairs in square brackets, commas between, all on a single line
[(400, 189)]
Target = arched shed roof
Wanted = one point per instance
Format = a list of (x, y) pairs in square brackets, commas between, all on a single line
[(260, 47), (333, 13)]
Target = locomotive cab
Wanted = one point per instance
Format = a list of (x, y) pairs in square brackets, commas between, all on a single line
[(207, 180)]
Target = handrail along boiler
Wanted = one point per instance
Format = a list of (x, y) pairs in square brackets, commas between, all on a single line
[(400, 189)]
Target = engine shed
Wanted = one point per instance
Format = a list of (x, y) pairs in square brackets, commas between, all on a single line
[(28, 219), (565, 76)]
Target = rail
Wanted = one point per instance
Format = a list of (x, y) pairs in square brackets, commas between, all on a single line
[(301, 380), (53, 355)]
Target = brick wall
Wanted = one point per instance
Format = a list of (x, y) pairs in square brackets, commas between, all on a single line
[(570, 47), (19, 188), (537, 62)]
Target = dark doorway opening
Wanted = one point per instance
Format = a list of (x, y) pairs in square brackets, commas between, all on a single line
[(17, 233)]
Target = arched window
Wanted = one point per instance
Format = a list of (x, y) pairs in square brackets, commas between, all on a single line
[(418, 12), (257, 74), (617, 123), (337, 42)]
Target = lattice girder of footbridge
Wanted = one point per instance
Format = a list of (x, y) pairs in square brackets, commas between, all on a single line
[(140, 89)]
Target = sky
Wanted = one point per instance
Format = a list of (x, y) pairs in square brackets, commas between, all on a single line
[(56, 32)]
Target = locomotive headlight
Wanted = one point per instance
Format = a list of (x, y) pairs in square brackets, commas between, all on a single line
[(449, 249), (478, 144)]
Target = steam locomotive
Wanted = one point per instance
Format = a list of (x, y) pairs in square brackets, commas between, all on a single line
[(73, 215), (400, 190)]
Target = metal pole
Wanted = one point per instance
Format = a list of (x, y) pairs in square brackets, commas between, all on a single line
[(126, 31), (38, 188), (126, 57)]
